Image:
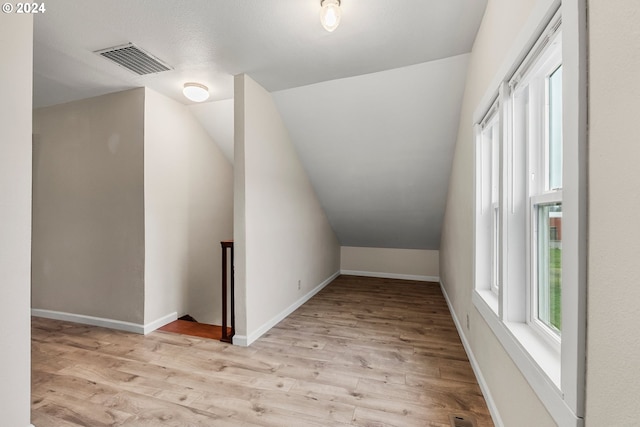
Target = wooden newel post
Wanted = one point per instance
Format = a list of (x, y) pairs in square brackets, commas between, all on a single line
[(227, 335)]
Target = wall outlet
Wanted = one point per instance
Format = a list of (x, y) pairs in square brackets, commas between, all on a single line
[(298, 284), (467, 322)]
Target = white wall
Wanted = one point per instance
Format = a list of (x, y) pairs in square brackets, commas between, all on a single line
[(512, 396), (284, 235), (216, 118), (239, 211), (613, 342), (16, 47), (411, 264), (188, 185), (88, 207)]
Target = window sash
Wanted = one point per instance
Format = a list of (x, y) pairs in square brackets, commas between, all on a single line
[(537, 107), (548, 248), (549, 334), (554, 130), (488, 196)]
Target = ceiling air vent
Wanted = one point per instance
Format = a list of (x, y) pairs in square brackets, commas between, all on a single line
[(134, 59)]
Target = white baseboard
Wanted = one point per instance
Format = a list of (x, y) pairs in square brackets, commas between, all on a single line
[(491, 404), (245, 341), (240, 340), (105, 323), (391, 275), (159, 323)]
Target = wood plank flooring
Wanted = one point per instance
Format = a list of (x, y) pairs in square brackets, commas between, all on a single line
[(362, 352)]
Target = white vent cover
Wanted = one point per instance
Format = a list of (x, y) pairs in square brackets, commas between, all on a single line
[(134, 59)]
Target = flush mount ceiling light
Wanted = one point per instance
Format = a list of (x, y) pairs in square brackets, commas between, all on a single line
[(196, 92), (330, 14)]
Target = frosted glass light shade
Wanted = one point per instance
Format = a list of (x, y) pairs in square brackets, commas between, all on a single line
[(196, 92), (330, 14)]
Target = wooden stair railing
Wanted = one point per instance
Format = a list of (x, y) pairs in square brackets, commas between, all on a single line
[(227, 336)]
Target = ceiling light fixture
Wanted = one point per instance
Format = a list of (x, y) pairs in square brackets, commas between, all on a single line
[(330, 14), (196, 92)]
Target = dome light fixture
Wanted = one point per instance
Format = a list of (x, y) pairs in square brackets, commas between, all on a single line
[(196, 92), (330, 14)]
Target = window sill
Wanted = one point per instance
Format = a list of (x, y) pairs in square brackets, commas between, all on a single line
[(489, 298), (537, 360), (544, 355), (525, 346)]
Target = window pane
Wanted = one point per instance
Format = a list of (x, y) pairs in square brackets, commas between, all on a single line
[(550, 265), (495, 163), (486, 171), (555, 129), (495, 271), (488, 186)]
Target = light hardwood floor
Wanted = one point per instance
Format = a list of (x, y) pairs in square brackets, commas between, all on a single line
[(364, 352)]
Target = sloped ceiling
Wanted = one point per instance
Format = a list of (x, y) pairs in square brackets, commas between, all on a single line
[(372, 107), (378, 149), (217, 118)]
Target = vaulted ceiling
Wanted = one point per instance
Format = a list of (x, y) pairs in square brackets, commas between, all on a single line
[(372, 108)]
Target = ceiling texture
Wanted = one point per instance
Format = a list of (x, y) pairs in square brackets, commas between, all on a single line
[(372, 108)]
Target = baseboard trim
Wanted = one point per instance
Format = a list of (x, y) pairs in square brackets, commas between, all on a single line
[(240, 340), (105, 323), (246, 341), (159, 323), (391, 275), (491, 404)]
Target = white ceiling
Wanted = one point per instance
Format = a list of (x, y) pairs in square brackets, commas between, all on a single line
[(379, 148), (381, 173)]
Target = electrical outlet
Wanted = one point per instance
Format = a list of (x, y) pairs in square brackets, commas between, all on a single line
[(298, 284), (467, 322)]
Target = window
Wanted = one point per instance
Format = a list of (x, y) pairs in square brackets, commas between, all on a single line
[(529, 212), (488, 201), (536, 99)]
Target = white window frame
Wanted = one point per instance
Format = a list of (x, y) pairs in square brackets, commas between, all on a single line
[(488, 164), (532, 318), (532, 76), (554, 370), (496, 196)]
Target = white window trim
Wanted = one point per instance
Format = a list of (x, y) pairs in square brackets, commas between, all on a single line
[(532, 319), (488, 286), (496, 217), (558, 379), (532, 77)]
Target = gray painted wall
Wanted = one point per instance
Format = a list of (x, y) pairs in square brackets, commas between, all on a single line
[(88, 207), (16, 47), (613, 341), (131, 200), (382, 262)]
